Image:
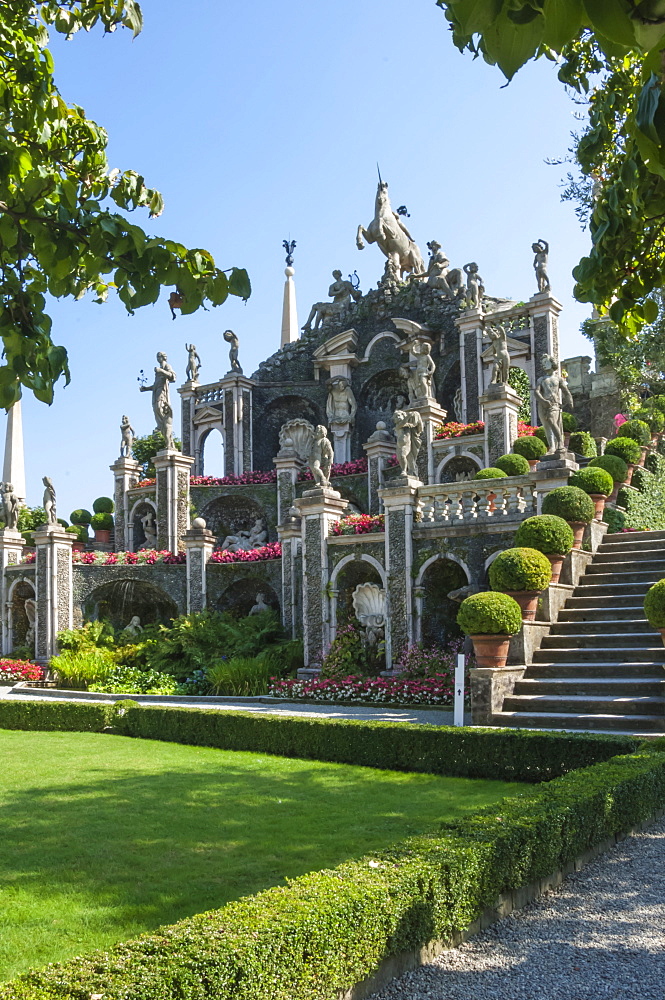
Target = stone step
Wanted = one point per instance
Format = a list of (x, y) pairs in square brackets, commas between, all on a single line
[(594, 669), (602, 614), (599, 640), (634, 724), (586, 704), (627, 568), (563, 687), (636, 576), (618, 602), (619, 538), (598, 626), (600, 588), (630, 654), (621, 556)]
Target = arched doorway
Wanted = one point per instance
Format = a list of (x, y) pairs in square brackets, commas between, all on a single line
[(379, 398), (231, 513), (22, 623), (438, 615), (458, 469), (212, 454)]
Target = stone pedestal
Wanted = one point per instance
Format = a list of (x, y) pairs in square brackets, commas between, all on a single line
[(290, 538), (11, 553), (288, 467), (53, 588), (198, 543), (489, 687), (551, 472), (470, 326), (187, 393), (126, 473), (433, 416), (544, 310), (173, 470), (399, 501), (500, 405), (379, 449), (318, 509), (340, 434)]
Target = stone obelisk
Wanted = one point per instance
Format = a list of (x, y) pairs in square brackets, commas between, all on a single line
[(13, 469), (290, 331)]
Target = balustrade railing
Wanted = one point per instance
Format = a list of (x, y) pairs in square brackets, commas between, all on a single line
[(489, 501), (209, 394)]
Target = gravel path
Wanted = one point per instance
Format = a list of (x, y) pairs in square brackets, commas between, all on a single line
[(600, 936)]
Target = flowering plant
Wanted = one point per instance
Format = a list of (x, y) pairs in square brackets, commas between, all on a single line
[(359, 524), (524, 429), (619, 419), (13, 671), (357, 467), (146, 557), (271, 551), (29, 557), (416, 661), (435, 690), (454, 429), (142, 483), (245, 479)]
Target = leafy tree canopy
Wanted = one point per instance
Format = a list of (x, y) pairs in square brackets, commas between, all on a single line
[(60, 231), (611, 53), (638, 364), (145, 448)]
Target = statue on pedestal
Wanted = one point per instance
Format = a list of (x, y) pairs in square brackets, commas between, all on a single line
[(30, 607), (501, 366), (126, 438), (149, 530), (341, 410), (342, 293), (439, 274), (409, 434), (161, 400), (474, 286), (49, 501), (419, 372), (394, 240), (231, 338), (551, 393), (10, 507), (321, 457), (193, 363), (541, 249)]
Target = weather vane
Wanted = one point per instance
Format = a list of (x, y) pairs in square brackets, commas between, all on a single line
[(142, 379), (402, 210), (289, 246)]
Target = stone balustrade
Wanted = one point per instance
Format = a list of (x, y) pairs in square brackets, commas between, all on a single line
[(487, 501)]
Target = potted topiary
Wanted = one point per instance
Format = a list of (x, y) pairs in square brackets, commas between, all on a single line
[(616, 467), (574, 506), (102, 524), (654, 607), (490, 619), (639, 431), (569, 425), (551, 535), (530, 447), (80, 516), (521, 573), (79, 543), (655, 420), (490, 473), (513, 465), (583, 444), (626, 448), (597, 483)]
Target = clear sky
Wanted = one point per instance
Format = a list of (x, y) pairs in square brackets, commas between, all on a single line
[(264, 121)]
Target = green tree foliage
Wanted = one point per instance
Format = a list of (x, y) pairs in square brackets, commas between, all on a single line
[(145, 448), (519, 381), (61, 233), (639, 363)]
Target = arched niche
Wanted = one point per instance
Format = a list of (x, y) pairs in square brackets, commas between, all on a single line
[(231, 513), (20, 624), (379, 398), (240, 597), (138, 511), (269, 420), (346, 576), (211, 453), (458, 467), (119, 600), (437, 613)]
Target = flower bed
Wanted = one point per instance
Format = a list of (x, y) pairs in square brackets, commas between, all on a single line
[(454, 429), (143, 483), (271, 551), (13, 671), (146, 557), (245, 479), (436, 690), (359, 524), (524, 429), (29, 558)]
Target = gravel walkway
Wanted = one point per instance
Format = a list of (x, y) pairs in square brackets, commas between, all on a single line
[(600, 936)]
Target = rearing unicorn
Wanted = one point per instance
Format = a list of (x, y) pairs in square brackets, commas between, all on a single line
[(393, 238)]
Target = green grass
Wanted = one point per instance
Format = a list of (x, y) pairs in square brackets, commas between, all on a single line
[(103, 837)]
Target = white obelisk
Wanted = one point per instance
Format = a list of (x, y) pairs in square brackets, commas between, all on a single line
[(13, 469), (290, 330)]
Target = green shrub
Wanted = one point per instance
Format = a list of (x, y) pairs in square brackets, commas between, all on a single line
[(513, 465), (128, 680), (656, 403), (490, 614), (638, 430), (613, 464), (623, 496), (592, 480), (654, 604), (546, 533), (583, 444), (530, 447), (77, 670), (625, 448), (103, 505), (570, 503), (540, 433), (616, 519), (490, 473), (45, 716), (73, 529), (102, 522), (91, 636), (569, 422), (80, 516), (238, 676), (655, 419), (520, 569), (29, 537), (642, 479)]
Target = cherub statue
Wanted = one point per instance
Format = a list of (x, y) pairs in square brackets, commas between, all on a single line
[(10, 507), (475, 288), (231, 338), (127, 433), (409, 433), (193, 363), (321, 457), (501, 367), (551, 393), (423, 371), (49, 501), (541, 249)]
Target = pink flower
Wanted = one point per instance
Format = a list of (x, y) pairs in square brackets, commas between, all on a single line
[(619, 419)]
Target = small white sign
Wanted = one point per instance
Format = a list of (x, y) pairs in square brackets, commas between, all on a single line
[(458, 705)]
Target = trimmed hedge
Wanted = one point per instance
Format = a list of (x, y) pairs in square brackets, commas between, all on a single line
[(540, 433), (583, 444), (593, 480), (326, 931), (513, 465), (80, 516), (103, 505), (613, 464), (547, 533), (529, 447), (569, 421), (520, 569), (654, 604), (73, 717), (655, 420), (570, 503), (489, 613), (102, 521), (490, 473), (625, 448)]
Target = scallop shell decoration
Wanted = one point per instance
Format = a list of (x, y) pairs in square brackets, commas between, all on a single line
[(369, 604), (299, 435)]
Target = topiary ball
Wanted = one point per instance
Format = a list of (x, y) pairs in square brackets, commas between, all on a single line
[(103, 505), (654, 419), (540, 433), (624, 447), (530, 447), (654, 605), (102, 521), (624, 495), (489, 613), (570, 503), (65, 524), (657, 403), (490, 473), (616, 466), (546, 532), (73, 529), (593, 480), (520, 569), (513, 465), (583, 444), (638, 430), (80, 516), (569, 422)]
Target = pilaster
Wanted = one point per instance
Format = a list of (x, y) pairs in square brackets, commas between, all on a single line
[(237, 422), (544, 310), (187, 393), (198, 543), (470, 326), (400, 502), (500, 406), (53, 588), (379, 448), (125, 475), (11, 552), (288, 467), (290, 538), (432, 416), (172, 473)]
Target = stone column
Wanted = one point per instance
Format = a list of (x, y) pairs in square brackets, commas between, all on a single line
[(11, 552), (470, 325), (126, 473), (198, 543), (551, 472), (53, 588), (379, 449), (173, 471), (237, 423), (400, 502), (433, 416), (500, 406), (318, 509), (288, 467), (187, 393), (544, 310), (290, 537)]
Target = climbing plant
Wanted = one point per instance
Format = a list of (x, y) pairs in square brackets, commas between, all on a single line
[(519, 381)]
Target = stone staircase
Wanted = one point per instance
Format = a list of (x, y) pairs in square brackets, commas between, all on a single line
[(602, 666)]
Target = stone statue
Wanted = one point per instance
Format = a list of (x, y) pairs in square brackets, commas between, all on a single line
[(369, 604), (551, 393), (439, 275), (409, 434), (149, 530), (259, 606), (127, 433), (193, 363), (134, 627), (321, 457), (49, 501), (245, 541), (458, 404), (341, 293), (341, 410), (501, 364), (231, 338), (394, 240), (236, 543), (10, 507), (30, 607), (474, 286), (418, 373), (161, 400), (541, 250), (258, 535)]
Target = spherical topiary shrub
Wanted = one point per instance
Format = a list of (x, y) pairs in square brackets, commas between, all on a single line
[(583, 444), (570, 503), (530, 447), (654, 605), (657, 403), (652, 463), (103, 505), (490, 473), (102, 521), (80, 516), (637, 430), (654, 419), (616, 466), (513, 465), (593, 480), (489, 614), (546, 532), (65, 524), (624, 447), (540, 433), (569, 422), (73, 529), (520, 569)]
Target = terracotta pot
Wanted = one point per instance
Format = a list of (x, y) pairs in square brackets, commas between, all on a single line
[(629, 475), (528, 601), (578, 532), (600, 500), (533, 462), (491, 497), (78, 547), (102, 535), (644, 449), (557, 563), (491, 650)]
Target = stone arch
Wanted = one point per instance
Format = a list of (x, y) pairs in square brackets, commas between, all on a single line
[(270, 418), (379, 397), (384, 335), (240, 596), (348, 573), (230, 513), (436, 613), (136, 532), (118, 601), (19, 623), (211, 447), (453, 465)]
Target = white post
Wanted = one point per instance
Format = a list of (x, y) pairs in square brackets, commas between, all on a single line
[(458, 705)]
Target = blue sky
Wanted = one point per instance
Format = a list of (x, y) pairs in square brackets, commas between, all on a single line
[(264, 121)]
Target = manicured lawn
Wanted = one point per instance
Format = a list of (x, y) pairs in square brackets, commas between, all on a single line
[(103, 837)]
